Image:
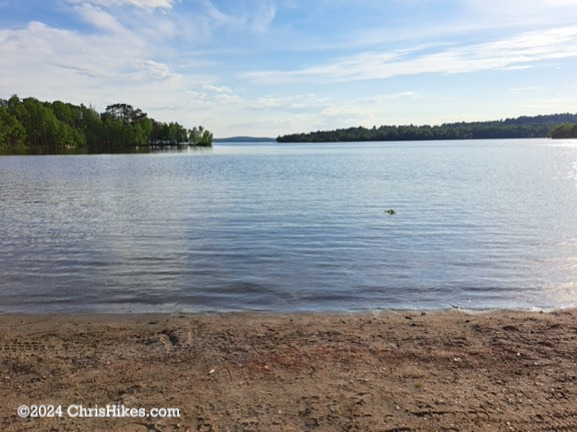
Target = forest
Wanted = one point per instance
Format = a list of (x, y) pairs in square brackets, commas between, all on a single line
[(540, 126), (565, 130), (29, 126)]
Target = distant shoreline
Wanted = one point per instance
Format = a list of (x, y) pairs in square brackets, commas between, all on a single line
[(243, 139), (118, 314), (541, 126)]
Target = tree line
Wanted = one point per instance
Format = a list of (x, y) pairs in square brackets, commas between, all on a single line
[(565, 130), (522, 127), (29, 126)]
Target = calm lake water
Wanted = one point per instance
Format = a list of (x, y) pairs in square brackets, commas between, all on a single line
[(478, 224)]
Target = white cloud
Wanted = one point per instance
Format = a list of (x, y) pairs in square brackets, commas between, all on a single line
[(150, 70), (518, 51), (523, 90), (255, 16), (263, 17), (51, 64), (309, 102), (98, 18), (217, 89)]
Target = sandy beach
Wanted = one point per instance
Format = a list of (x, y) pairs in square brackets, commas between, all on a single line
[(386, 371)]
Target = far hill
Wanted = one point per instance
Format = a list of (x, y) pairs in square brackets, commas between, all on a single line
[(243, 139), (521, 127)]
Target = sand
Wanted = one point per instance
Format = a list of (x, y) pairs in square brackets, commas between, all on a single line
[(387, 371)]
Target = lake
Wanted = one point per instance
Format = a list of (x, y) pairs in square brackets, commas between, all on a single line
[(292, 227)]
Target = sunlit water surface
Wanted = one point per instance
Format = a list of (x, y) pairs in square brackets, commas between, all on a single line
[(478, 224)]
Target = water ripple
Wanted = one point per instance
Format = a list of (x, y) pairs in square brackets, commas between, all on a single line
[(292, 228)]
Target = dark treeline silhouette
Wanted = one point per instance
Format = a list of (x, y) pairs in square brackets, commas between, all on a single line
[(521, 127), (29, 126)]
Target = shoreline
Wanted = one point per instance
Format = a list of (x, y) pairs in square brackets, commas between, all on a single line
[(391, 370), (264, 312)]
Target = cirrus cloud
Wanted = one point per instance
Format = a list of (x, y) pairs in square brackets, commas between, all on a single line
[(519, 51)]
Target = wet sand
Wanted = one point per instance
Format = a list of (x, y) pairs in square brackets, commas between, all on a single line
[(385, 371)]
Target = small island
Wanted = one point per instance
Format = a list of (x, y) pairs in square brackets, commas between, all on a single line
[(29, 126), (542, 126)]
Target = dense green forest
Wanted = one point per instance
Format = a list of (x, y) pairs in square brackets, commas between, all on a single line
[(565, 130), (521, 127), (29, 126)]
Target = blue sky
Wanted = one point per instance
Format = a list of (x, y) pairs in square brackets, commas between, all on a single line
[(271, 67)]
